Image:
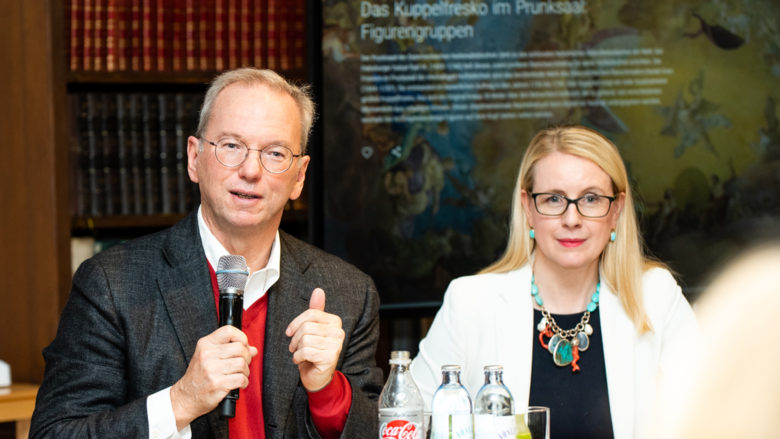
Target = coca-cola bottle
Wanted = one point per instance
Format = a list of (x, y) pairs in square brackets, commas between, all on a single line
[(494, 407), (451, 407), (400, 403)]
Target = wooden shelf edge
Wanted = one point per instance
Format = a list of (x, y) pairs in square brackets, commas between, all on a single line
[(166, 77), (125, 221)]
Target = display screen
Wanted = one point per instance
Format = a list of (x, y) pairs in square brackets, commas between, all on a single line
[(428, 106)]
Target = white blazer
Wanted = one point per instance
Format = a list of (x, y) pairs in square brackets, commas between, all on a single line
[(488, 319)]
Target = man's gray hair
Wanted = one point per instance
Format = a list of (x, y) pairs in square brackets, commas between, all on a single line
[(252, 76)]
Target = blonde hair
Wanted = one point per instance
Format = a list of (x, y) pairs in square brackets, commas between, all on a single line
[(622, 262), (251, 76)]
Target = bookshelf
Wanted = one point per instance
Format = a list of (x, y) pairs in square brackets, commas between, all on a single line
[(136, 75)]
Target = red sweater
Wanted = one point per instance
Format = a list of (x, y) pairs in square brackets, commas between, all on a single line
[(328, 407)]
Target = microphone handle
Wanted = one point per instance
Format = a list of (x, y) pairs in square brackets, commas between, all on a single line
[(231, 305)]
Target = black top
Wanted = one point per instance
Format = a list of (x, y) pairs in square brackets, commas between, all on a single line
[(578, 401)]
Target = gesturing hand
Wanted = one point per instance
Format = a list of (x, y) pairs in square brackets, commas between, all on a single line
[(317, 338), (220, 364)]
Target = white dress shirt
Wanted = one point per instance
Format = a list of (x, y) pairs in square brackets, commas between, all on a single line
[(162, 422)]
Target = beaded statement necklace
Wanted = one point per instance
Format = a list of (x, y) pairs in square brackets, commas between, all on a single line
[(565, 345)]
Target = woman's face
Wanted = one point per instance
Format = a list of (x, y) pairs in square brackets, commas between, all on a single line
[(570, 240)]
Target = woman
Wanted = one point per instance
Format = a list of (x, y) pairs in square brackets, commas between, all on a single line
[(582, 321)]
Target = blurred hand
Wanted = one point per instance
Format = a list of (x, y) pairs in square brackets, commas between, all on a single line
[(220, 364), (317, 338)]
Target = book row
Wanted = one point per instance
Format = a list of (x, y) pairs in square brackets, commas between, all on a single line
[(184, 35), (129, 153)]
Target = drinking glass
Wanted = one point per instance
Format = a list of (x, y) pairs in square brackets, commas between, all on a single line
[(533, 423)]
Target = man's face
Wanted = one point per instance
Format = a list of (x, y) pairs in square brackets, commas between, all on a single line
[(247, 198)]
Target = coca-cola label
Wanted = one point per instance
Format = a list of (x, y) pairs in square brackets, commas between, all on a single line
[(400, 429)]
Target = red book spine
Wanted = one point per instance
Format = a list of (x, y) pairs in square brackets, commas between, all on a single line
[(98, 34), (111, 36), (162, 39), (299, 35), (73, 25), (272, 38), (246, 35), (122, 35), (219, 38), (231, 29), (258, 28), (284, 34), (87, 33), (177, 35), (206, 35), (135, 36), (147, 35), (189, 31)]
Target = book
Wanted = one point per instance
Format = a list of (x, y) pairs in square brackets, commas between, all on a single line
[(122, 153), (121, 33), (150, 163), (231, 34), (74, 33), (93, 154), (245, 32), (98, 35), (272, 35), (135, 139), (78, 155), (180, 162), (299, 35), (164, 145), (284, 30), (206, 35), (108, 156), (258, 28), (87, 35), (81, 249), (162, 36), (219, 38), (135, 37), (147, 35), (177, 31), (190, 26)]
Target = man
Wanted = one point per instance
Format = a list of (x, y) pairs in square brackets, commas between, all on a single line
[(138, 352)]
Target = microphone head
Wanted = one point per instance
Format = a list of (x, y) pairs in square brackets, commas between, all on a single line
[(232, 272)]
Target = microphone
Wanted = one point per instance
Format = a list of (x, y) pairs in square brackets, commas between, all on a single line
[(232, 274)]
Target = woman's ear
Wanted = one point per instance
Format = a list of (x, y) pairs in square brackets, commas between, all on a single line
[(527, 201), (617, 208)]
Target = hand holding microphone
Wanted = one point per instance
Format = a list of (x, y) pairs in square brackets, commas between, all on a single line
[(220, 364)]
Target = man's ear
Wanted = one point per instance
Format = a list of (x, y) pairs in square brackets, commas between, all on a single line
[(193, 152), (300, 177)]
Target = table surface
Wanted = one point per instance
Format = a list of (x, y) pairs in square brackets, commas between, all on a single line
[(17, 402)]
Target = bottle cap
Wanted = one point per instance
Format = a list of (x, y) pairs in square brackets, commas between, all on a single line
[(450, 368), (399, 357), (494, 368)]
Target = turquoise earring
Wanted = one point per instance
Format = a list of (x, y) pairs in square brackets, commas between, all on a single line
[(531, 234), (612, 236)]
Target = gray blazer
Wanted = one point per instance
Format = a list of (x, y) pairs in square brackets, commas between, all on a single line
[(137, 310)]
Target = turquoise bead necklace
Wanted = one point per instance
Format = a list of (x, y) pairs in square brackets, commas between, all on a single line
[(565, 345)]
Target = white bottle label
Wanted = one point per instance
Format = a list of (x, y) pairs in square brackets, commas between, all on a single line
[(447, 426), (494, 427)]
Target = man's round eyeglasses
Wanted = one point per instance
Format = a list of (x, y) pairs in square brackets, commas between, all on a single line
[(232, 153), (589, 205)]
